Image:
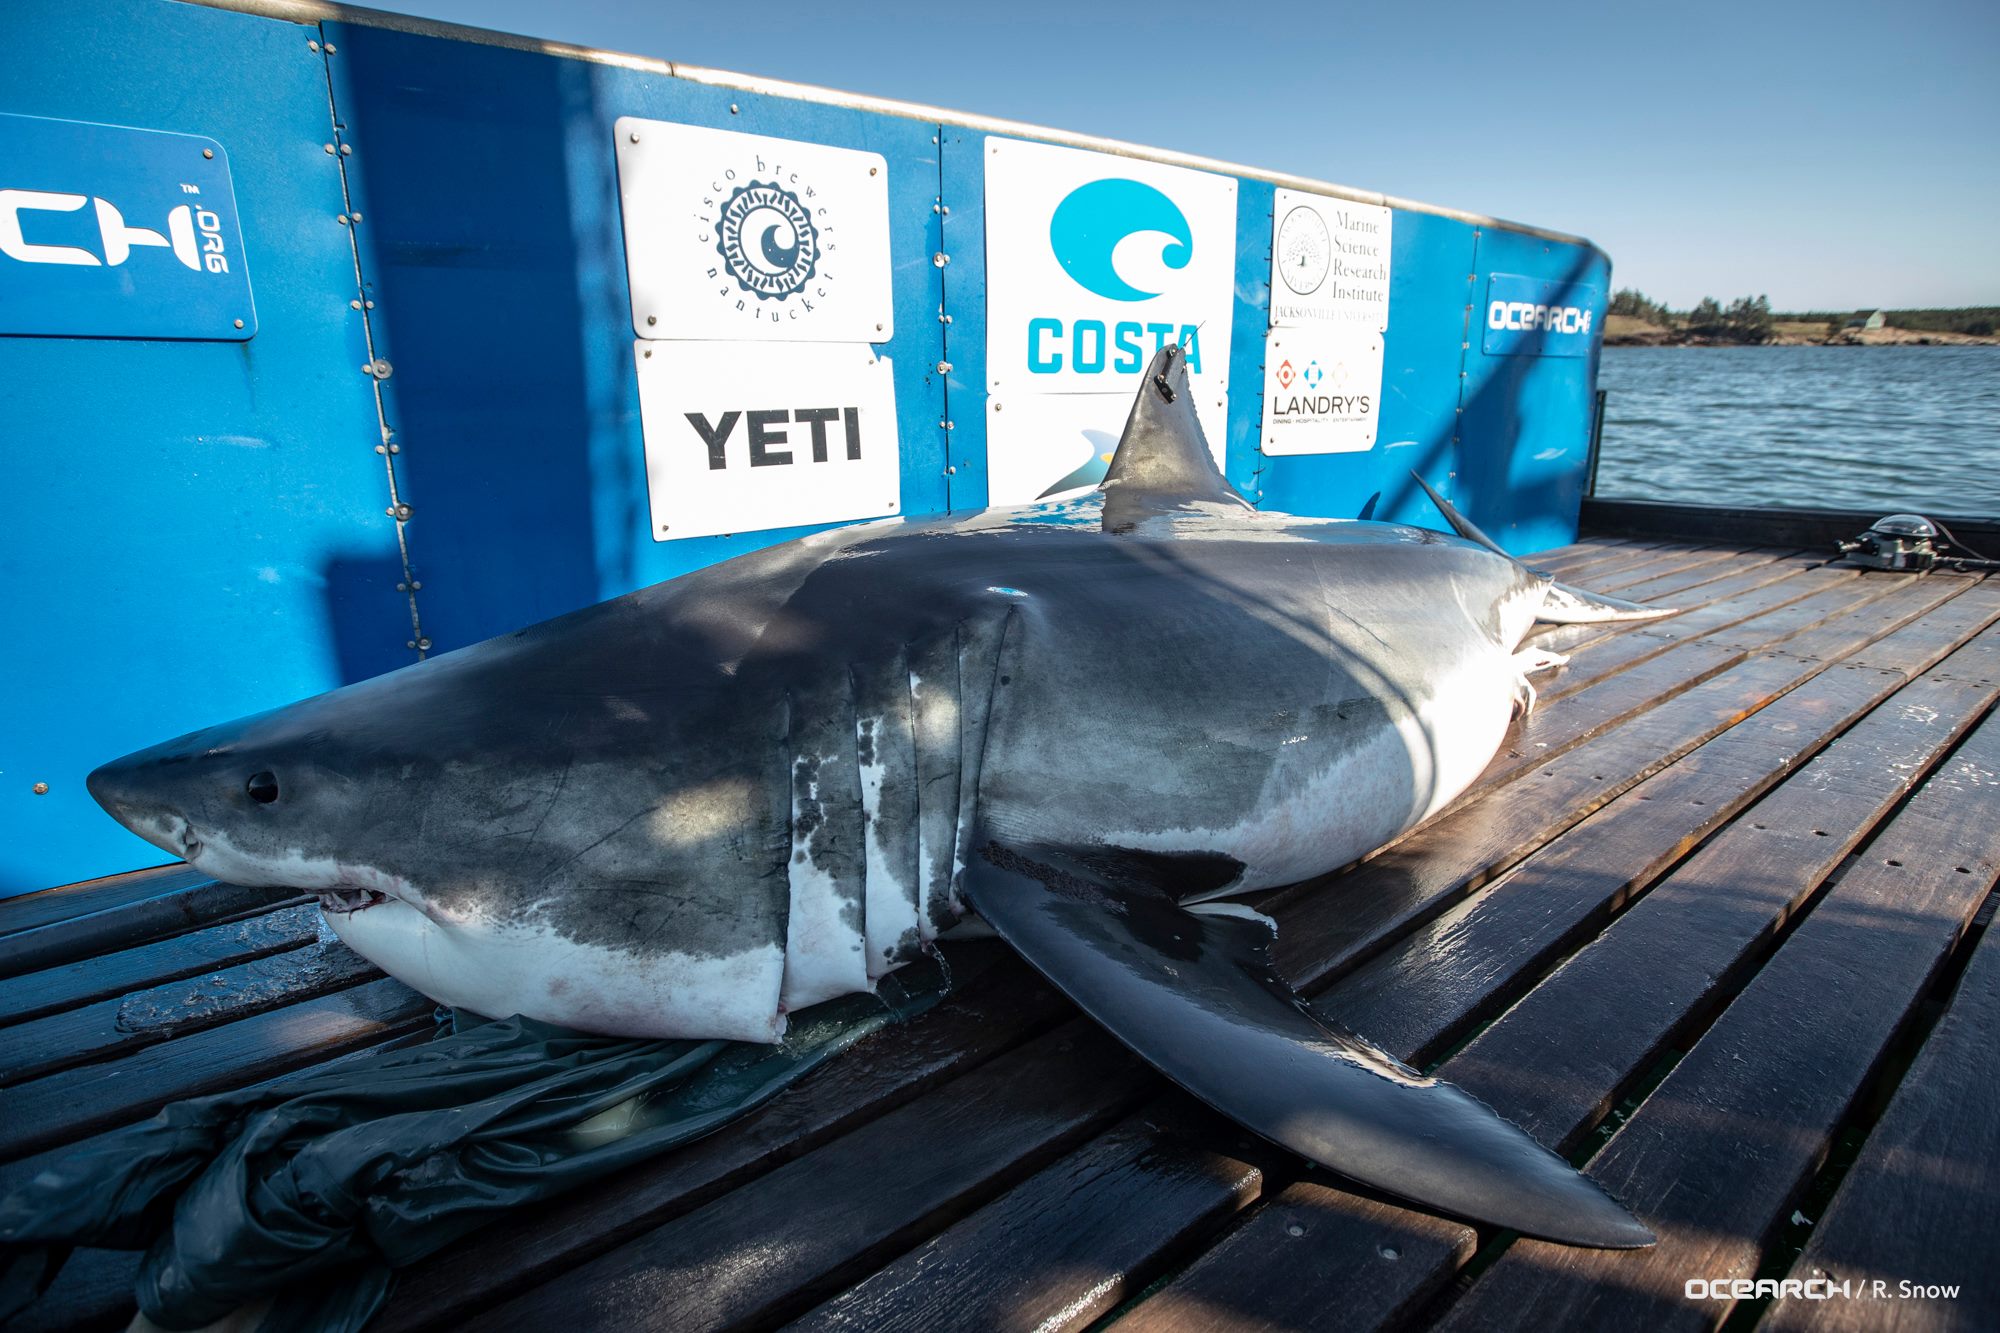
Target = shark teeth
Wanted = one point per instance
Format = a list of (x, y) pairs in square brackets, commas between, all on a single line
[(344, 901)]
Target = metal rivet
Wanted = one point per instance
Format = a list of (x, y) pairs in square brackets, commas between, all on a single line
[(937, 208), (41, 789), (239, 323), (944, 368), (416, 585), (395, 448), (1295, 1230), (951, 472), (871, 171), (732, 108), (208, 152), (347, 150), (1390, 1252), (357, 217), (648, 354), (652, 320), (401, 511), (947, 210), (949, 426), (940, 259), (423, 643), (996, 407), (342, 219), (878, 328), (369, 304), (381, 448), (390, 511), (410, 643), (330, 149), (331, 48), (354, 304), (635, 136), (383, 370), (313, 47), (402, 587)]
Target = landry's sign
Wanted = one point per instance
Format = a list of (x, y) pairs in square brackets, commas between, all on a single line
[(1534, 317)]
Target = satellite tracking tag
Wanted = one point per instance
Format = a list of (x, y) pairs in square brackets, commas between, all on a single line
[(111, 232)]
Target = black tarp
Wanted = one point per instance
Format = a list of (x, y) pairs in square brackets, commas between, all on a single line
[(311, 1190)]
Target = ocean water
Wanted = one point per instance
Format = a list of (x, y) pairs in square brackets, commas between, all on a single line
[(1874, 428)]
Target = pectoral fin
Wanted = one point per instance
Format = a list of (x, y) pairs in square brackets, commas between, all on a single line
[(1196, 996)]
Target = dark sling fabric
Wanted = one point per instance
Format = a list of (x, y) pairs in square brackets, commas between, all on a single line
[(311, 1190)]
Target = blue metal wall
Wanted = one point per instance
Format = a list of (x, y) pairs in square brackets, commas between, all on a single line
[(208, 528)]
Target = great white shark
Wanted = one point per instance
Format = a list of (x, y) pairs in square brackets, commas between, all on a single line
[(1096, 722)]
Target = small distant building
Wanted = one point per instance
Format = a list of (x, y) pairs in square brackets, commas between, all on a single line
[(1866, 319)]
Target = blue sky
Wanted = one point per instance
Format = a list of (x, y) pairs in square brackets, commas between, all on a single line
[(1832, 155)]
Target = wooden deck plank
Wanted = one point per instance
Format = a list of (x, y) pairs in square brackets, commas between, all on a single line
[(37, 994), (1269, 1275), (1495, 826), (1678, 592), (174, 1009), (1805, 596), (1344, 1267), (1459, 968), (1921, 1204), (786, 1241), (1066, 1246), (1715, 1155), (1058, 1235), (47, 906), (1587, 551), (1711, 582), (996, 1013), (60, 1107), (189, 907), (1076, 1283), (1668, 562)]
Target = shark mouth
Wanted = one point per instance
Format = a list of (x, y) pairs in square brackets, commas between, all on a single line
[(344, 901)]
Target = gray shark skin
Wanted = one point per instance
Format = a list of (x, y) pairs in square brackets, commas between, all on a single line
[(696, 807)]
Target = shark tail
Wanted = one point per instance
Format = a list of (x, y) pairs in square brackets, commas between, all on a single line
[(1562, 604)]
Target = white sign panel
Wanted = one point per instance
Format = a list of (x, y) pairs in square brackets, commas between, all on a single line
[(1095, 262), (1329, 262), (1039, 446), (1322, 390), (738, 236), (741, 439)]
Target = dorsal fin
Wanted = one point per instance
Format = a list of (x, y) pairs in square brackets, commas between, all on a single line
[(1163, 460)]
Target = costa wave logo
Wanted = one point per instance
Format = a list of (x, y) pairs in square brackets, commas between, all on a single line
[(1101, 230), (767, 240), (194, 235), (1118, 239)]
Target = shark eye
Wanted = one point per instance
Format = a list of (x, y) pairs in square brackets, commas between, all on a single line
[(262, 787)]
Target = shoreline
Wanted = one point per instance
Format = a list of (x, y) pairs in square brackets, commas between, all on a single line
[(1635, 334)]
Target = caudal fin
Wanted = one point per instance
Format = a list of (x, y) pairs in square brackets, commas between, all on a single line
[(1561, 603)]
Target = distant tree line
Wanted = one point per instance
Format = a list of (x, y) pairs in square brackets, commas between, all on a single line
[(1747, 319), (1980, 321)]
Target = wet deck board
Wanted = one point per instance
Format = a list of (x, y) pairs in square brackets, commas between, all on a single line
[(1661, 913)]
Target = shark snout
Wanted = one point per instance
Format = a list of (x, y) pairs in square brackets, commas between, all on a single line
[(131, 792)]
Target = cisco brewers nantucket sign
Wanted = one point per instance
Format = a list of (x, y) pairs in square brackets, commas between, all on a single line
[(760, 281), (1093, 263), (1329, 314), (109, 232), (1535, 317)]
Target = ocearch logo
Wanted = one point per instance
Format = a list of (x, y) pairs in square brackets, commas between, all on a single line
[(1527, 316), (194, 235), (1104, 230)]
